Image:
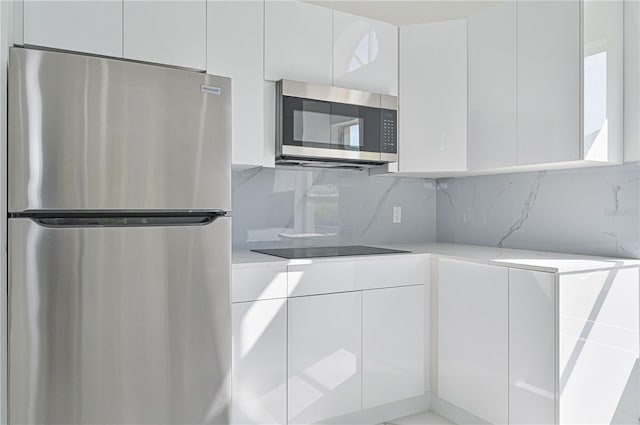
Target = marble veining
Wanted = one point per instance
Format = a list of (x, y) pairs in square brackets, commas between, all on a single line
[(529, 203), (298, 207), (584, 211)]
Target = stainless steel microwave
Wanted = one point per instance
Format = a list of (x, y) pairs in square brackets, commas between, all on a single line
[(334, 127)]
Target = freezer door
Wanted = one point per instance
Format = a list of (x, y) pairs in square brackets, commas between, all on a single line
[(89, 133), (119, 325)]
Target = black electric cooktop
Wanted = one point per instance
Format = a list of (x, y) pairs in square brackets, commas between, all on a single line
[(327, 251)]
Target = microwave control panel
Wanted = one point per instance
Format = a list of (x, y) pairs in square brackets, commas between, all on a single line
[(389, 136)]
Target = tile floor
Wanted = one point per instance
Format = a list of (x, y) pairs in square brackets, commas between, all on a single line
[(424, 418)]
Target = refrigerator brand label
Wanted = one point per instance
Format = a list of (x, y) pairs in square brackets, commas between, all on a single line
[(210, 89)]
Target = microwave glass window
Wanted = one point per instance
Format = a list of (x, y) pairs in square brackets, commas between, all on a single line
[(345, 131), (324, 128), (330, 125), (311, 127)]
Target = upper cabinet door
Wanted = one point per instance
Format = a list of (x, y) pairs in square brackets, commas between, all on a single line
[(297, 43), (365, 54), (82, 26), (492, 86), (167, 32), (549, 55), (603, 77), (235, 42), (433, 97)]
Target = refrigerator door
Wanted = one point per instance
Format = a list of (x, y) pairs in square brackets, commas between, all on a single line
[(119, 325), (89, 133)]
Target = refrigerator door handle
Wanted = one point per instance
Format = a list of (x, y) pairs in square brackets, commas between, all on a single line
[(124, 219)]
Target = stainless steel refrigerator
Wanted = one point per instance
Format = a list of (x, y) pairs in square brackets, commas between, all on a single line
[(119, 242)]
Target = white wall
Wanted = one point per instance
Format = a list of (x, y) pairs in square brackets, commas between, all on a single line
[(6, 39)]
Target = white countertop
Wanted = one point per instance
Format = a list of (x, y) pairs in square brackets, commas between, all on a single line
[(530, 260)]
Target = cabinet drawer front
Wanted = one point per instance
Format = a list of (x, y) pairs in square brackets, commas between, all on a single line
[(389, 272), (321, 278), (258, 283)]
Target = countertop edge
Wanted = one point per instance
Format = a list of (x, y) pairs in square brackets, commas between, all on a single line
[(541, 261)]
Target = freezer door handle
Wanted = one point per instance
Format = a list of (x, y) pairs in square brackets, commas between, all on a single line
[(121, 219)]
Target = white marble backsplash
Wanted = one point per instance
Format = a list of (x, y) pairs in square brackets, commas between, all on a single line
[(584, 211), (297, 207)]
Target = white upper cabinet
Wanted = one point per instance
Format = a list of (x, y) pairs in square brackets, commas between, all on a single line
[(631, 81), (235, 41), (365, 54), (432, 130), (569, 82), (82, 26), (492, 86), (298, 42), (603, 74), (548, 81), (170, 32)]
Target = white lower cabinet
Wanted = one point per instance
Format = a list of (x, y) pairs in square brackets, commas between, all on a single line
[(532, 343), (259, 377), (393, 345), (473, 338), (598, 349), (325, 357)]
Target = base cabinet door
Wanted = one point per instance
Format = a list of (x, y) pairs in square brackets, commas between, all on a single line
[(325, 359), (393, 345), (473, 338), (598, 347), (259, 378), (532, 347)]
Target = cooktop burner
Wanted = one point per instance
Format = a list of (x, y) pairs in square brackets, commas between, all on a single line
[(327, 251)]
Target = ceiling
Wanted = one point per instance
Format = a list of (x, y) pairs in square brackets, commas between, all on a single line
[(404, 12)]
